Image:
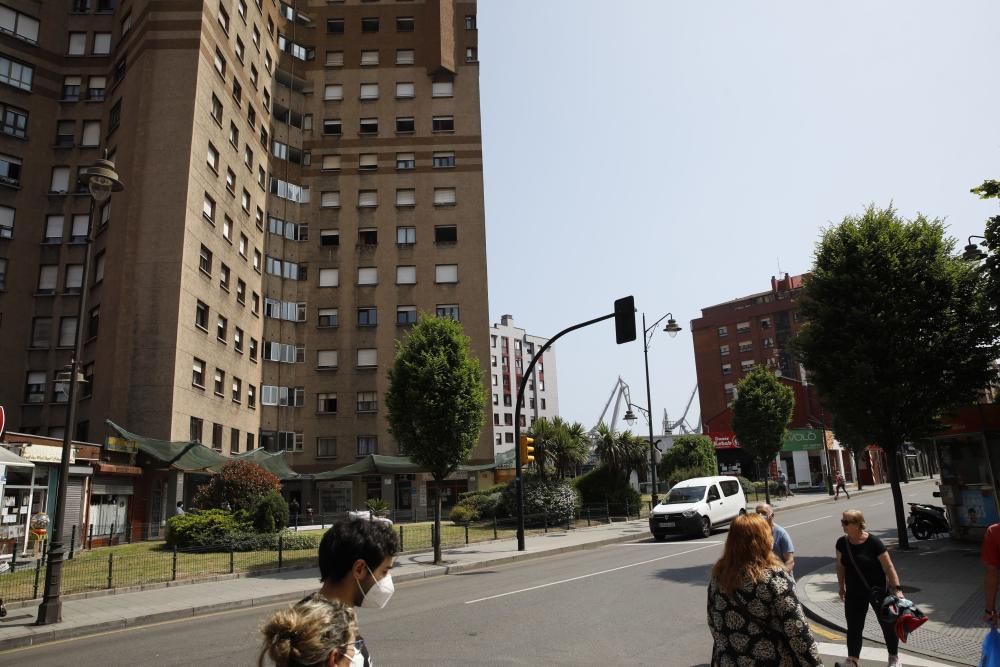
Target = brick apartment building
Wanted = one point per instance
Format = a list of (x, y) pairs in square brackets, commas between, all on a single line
[(300, 181)]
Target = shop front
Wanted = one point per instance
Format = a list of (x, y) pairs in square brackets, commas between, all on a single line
[(16, 488), (801, 458)]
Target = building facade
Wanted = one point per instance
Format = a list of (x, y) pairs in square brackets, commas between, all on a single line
[(300, 181), (730, 339), (511, 350)]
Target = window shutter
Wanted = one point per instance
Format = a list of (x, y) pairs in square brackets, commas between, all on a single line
[(47, 277), (369, 91), (444, 196), (60, 180), (442, 89), (406, 197), (331, 162), (405, 90), (446, 273), (91, 133), (367, 198), (333, 91), (326, 359), (334, 58), (329, 277), (368, 276), (368, 161), (330, 200), (367, 357), (369, 57), (406, 275)]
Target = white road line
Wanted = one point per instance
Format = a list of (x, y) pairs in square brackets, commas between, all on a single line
[(875, 654), (665, 544), (592, 574), (802, 523), (877, 504)]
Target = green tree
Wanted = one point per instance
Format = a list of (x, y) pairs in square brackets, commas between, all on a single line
[(435, 401), (570, 447), (897, 330), (991, 268), (621, 453), (761, 411), (546, 445), (689, 451), (238, 485)]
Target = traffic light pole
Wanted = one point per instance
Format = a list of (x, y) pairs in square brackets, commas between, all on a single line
[(518, 480)]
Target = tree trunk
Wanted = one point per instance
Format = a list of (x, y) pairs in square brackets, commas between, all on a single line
[(437, 522), (767, 483), (857, 468), (897, 498)]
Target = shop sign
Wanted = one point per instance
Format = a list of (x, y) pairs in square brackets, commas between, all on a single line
[(803, 440), (113, 444), (45, 454), (724, 441)]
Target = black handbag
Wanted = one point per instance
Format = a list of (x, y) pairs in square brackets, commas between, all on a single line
[(876, 595)]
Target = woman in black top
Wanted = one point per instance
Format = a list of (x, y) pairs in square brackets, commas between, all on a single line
[(871, 558)]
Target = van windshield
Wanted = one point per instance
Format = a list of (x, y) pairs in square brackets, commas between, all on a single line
[(687, 494)]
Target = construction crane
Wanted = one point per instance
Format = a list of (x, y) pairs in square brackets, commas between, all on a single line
[(682, 423), (621, 391)]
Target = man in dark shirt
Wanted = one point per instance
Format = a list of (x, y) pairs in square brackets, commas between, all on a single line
[(355, 556)]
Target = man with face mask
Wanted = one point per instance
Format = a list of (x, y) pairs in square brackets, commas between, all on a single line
[(354, 560)]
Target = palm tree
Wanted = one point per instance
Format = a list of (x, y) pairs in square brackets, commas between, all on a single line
[(568, 448), (545, 445)]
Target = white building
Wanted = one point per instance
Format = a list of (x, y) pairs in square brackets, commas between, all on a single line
[(511, 350)]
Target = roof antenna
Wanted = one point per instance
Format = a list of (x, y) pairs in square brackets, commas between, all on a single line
[(779, 267)]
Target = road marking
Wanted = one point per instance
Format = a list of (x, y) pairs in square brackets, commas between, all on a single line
[(826, 634), (592, 574), (665, 544), (876, 655), (802, 523), (877, 504)]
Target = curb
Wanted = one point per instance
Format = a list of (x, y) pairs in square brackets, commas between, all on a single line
[(810, 612), (46, 634), (830, 499)]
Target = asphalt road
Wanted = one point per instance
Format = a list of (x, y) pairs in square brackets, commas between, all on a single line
[(640, 604)]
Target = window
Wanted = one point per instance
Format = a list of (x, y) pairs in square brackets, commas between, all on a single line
[(198, 374), (446, 273), (368, 275), (367, 317), (251, 403), (256, 260), (327, 317), (6, 222), (765, 323), (223, 276), (73, 280), (405, 125), (442, 89), (252, 351), (368, 161), (217, 436), (723, 332), (224, 19), (405, 56), (406, 315), (367, 444), (20, 25), (446, 234), (334, 58), (329, 237), (368, 126), (245, 201), (405, 161), (241, 7), (369, 24), (234, 134), (367, 357), (102, 44), (99, 263), (335, 26), (443, 123), (332, 126), (367, 198), (406, 275), (333, 92), (326, 359), (331, 162), (238, 339), (406, 235), (406, 198), (41, 332), (16, 74), (444, 196), (404, 24), (231, 182), (745, 366), (471, 54), (326, 404), (201, 316), (222, 328), (212, 158), (205, 260), (234, 440), (470, 22), (220, 63), (14, 121), (216, 109), (77, 44), (369, 91), (254, 304), (447, 310), (443, 160), (329, 277), (59, 182), (727, 369), (227, 228), (237, 93), (10, 170), (248, 157), (724, 350), (220, 382), (369, 58), (367, 401), (742, 327), (196, 429), (326, 448), (94, 322), (746, 346), (95, 88)]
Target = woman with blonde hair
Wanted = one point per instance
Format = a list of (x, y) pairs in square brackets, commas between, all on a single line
[(867, 576), (314, 632), (752, 609)]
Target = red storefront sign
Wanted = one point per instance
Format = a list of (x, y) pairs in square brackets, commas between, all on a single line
[(724, 440)]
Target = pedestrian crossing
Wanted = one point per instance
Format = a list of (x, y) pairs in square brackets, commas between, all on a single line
[(872, 656)]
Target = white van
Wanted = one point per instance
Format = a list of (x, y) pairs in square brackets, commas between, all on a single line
[(696, 506)]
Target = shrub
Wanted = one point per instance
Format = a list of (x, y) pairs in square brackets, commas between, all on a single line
[(746, 484), (601, 485), (240, 484), (202, 529), (682, 474), (481, 506), (377, 506), (552, 498), (290, 541), (461, 514), (489, 491), (689, 452), (270, 513)]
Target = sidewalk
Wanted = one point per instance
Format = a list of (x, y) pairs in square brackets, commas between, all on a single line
[(942, 576)]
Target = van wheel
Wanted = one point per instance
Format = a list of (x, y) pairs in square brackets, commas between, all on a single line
[(659, 537), (706, 527)]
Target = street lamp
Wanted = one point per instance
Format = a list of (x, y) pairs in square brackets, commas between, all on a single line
[(672, 328), (102, 180), (972, 252)]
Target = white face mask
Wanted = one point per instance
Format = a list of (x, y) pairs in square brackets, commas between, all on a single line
[(358, 659), (378, 595)]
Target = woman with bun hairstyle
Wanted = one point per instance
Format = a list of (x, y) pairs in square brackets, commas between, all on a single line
[(314, 632)]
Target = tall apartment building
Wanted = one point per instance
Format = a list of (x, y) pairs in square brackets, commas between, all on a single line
[(300, 181), (511, 350)]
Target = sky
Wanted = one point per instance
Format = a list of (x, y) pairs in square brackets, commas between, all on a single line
[(682, 152)]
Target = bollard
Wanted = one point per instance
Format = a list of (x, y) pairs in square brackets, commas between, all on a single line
[(545, 519), (38, 572), (232, 560), (628, 513), (173, 565), (466, 532), (111, 565), (569, 520), (588, 517), (280, 551), (90, 540), (13, 559), (607, 508), (72, 541), (401, 547), (494, 526)]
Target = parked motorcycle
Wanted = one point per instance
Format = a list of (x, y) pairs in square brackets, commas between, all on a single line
[(926, 521)]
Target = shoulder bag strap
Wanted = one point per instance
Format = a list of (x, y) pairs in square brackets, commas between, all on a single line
[(850, 554)]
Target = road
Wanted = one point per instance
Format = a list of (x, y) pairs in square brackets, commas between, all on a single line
[(640, 604)]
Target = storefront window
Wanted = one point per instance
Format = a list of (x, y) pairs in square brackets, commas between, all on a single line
[(109, 514)]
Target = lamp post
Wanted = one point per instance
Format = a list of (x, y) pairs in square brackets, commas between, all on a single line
[(972, 252), (102, 180), (673, 329)]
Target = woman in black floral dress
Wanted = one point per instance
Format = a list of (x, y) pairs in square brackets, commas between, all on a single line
[(753, 613)]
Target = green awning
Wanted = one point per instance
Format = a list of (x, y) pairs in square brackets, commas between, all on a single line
[(183, 456), (377, 464), (273, 463)]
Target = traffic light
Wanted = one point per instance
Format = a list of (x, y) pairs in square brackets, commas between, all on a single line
[(527, 451), (625, 320)]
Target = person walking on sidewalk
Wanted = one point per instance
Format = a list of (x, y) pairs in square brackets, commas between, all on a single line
[(753, 613), (783, 547), (783, 485), (990, 555), (841, 486), (866, 575), (315, 631), (355, 556)]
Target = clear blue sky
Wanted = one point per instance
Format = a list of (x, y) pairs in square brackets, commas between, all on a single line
[(679, 151)]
